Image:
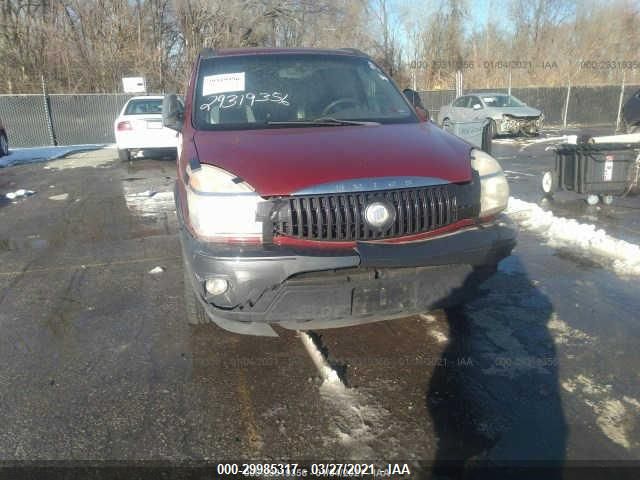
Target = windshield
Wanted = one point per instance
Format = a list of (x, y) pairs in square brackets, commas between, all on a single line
[(502, 101), (260, 91), (144, 107)]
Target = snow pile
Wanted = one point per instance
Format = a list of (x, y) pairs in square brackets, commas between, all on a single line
[(329, 376), (21, 156), (585, 239)]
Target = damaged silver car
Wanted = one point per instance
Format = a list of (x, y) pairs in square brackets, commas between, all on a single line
[(507, 115)]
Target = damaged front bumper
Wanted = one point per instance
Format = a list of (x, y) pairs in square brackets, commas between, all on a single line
[(313, 288), (515, 125)]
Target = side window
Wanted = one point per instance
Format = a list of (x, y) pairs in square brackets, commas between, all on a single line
[(475, 101), (461, 102)]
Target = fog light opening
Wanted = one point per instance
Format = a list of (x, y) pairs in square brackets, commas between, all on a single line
[(216, 286)]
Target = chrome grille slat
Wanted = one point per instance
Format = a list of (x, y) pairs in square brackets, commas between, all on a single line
[(340, 216)]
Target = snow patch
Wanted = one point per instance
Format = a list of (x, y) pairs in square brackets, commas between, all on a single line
[(612, 417), (622, 257), (563, 334), (438, 336), (427, 317), (156, 270), (632, 401), (357, 422), (62, 196), (149, 203), (19, 193), (22, 156), (611, 420), (95, 157), (511, 172)]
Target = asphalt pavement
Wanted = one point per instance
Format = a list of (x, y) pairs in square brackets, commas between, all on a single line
[(97, 361)]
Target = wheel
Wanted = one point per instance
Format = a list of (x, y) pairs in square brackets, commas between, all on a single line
[(124, 155), (549, 183), (493, 129), (606, 199), (194, 309), (592, 200), (446, 124), (4, 145), (487, 139)]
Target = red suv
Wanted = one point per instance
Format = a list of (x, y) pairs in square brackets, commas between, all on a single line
[(312, 194)]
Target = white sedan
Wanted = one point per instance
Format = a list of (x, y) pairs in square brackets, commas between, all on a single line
[(139, 128)]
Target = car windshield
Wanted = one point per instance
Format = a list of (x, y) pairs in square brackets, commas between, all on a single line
[(282, 90), (502, 101), (144, 107)]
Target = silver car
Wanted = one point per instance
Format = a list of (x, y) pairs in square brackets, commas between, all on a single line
[(507, 114)]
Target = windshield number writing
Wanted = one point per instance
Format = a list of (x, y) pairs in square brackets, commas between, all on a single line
[(250, 98)]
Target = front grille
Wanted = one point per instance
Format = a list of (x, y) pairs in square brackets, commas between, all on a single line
[(340, 217)]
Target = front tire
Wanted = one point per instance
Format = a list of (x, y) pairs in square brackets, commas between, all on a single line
[(4, 145), (493, 129), (124, 155)]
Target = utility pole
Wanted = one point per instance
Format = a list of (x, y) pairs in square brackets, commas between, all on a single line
[(618, 118), (47, 112)]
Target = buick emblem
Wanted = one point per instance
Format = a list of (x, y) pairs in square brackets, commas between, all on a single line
[(378, 215)]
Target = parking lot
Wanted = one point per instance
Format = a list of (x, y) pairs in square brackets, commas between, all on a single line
[(97, 361)]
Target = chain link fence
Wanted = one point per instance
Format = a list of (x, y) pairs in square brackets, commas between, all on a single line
[(60, 119), (78, 119), (25, 120), (72, 119)]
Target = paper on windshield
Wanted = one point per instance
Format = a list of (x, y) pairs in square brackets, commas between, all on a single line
[(222, 83)]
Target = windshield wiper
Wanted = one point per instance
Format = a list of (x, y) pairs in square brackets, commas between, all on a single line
[(323, 121)]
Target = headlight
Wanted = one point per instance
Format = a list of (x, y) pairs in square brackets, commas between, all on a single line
[(494, 189), (221, 205)]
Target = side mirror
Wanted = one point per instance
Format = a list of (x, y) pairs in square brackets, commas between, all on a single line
[(422, 113), (477, 106), (172, 112), (414, 99)]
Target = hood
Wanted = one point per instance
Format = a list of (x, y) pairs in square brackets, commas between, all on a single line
[(517, 111), (282, 161)]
